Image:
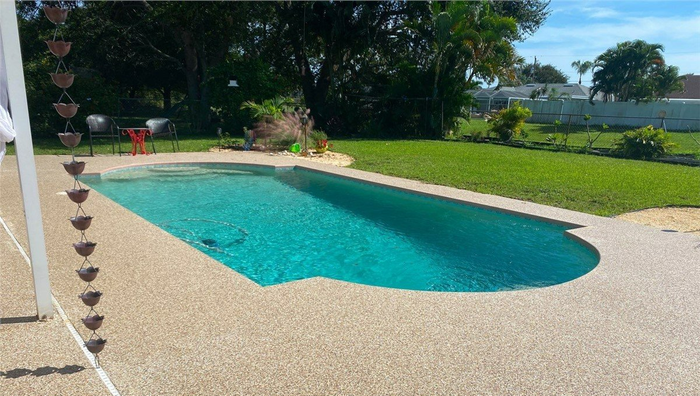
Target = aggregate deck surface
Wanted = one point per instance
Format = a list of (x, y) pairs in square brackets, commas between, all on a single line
[(179, 322), (36, 358)]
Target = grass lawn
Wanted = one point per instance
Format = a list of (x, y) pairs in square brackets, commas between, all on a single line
[(585, 183), (578, 136)]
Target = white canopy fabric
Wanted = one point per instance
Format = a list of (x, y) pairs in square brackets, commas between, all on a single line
[(7, 131)]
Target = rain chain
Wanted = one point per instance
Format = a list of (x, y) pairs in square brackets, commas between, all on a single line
[(81, 221)]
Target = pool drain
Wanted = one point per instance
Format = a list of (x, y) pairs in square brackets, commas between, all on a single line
[(199, 232), (210, 242)]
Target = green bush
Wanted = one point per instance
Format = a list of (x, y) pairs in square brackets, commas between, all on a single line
[(508, 123), (477, 136), (643, 143), (318, 135)]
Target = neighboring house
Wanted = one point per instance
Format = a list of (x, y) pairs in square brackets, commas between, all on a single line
[(566, 91), (491, 99), (691, 89)]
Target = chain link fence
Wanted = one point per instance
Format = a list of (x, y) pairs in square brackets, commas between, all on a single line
[(581, 131), (186, 114)]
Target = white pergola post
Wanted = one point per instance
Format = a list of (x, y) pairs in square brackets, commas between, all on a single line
[(9, 34)]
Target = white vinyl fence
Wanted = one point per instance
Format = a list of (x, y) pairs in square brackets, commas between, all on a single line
[(678, 116)]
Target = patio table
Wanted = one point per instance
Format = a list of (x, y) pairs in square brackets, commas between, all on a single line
[(138, 137)]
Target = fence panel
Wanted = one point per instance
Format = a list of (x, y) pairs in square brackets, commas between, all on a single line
[(676, 116)]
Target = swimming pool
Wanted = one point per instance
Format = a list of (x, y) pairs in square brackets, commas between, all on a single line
[(281, 225)]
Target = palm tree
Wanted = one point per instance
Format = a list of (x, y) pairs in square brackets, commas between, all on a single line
[(466, 39), (581, 68), (631, 70), (269, 108), (553, 94)]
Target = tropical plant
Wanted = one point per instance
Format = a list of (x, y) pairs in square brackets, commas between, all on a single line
[(464, 39), (581, 67), (553, 94), (320, 139), (269, 108), (508, 123), (225, 140), (539, 92), (591, 139), (634, 70), (643, 143), (476, 136), (558, 140), (556, 123), (565, 135)]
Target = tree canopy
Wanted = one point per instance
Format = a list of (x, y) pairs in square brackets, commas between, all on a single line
[(389, 68), (634, 70), (529, 73)]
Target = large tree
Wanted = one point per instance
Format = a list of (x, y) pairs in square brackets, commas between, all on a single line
[(192, 36), (417, 55), (394, 67), (530, 73), (634, 70), (528, 14)]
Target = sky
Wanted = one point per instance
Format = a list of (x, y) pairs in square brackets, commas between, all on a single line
[(584, 29)]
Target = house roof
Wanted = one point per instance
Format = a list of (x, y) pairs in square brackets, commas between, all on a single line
[(691, 88), (576, 91), (572, 89), (498, 94)]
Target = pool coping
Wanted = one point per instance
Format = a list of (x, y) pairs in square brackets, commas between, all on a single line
[(629, 326)]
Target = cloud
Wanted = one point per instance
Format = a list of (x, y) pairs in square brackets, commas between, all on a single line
[(599, 12), (584, 9), (569, 39), (655, 29)]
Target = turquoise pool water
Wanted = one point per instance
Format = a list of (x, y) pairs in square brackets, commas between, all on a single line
[(276, 226)]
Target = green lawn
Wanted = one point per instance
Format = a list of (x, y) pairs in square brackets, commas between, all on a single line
[(578, 136), (586, 183)]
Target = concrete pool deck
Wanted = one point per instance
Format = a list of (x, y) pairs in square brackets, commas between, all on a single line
[(179, 322)]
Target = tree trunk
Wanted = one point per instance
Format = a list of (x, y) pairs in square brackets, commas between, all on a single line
[(308, 80), (435, 94), (191, 65), (167, 97), (204, 113)]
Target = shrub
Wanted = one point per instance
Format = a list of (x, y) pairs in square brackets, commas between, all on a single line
[(286, 130), (477, 136), (320, 140), (508, 123), (643, 143), (269, 109), (318, 135)]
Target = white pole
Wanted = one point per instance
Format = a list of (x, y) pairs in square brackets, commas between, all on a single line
[(9, 34)]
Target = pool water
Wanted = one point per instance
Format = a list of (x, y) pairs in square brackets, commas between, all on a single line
[(277, 226)]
